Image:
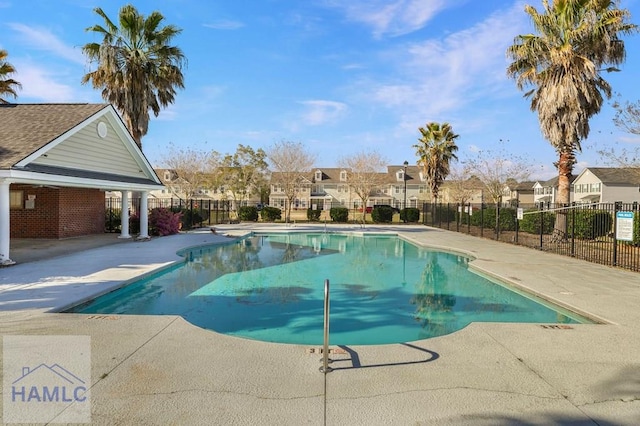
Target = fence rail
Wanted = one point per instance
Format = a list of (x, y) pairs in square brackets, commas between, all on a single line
[(196, 212), (604, 233)]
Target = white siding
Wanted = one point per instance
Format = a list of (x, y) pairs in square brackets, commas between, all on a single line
[(85, 150)]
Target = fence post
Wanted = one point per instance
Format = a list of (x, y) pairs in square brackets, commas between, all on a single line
[(482, 219), (616, 208), (541, 223), (573, 229), (469, 218)]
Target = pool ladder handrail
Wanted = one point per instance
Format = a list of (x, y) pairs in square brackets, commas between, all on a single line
[(325, 350)]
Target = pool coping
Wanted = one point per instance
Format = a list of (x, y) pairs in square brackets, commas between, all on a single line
[(505, 373)]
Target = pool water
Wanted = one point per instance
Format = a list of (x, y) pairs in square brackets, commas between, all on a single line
[(271, 287)]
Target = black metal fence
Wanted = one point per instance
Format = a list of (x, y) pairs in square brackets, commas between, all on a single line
[(195, 212), (605, 233)]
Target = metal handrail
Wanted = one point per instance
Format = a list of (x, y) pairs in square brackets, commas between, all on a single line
[(325, 350)]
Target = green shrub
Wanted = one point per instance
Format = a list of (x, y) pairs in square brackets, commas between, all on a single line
[(590, 224), (531, 222), (410, 214), (248, 213), (270, 214), (444, 213), (134, 224), (339, 214), (313, 215), (382, 214), (112, 219), (487, 218)]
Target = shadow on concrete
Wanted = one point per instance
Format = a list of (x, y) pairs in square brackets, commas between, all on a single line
[(356, 363)]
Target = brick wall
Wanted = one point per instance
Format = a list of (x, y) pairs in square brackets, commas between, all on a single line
[(58, 213)]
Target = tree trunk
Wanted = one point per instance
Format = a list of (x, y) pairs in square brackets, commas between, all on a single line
[(565, 169)]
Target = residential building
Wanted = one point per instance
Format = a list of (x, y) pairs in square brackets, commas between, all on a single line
[(607, 185), (518, 193), (323, 188), (546, 192)]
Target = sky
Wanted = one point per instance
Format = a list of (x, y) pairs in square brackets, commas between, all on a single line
[(340, 77)]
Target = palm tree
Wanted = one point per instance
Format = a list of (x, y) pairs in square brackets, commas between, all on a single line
[(576, 41), (8, 86), (435, 151), (137, 68)]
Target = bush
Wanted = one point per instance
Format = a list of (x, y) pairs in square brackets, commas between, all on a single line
[(112, 220), (248, 213), (487, 218), (382, 214), (530, 222), (313, 215), (444, 213), (339, 214), (134, 224), (163, 221), (270, 214), (410, 214), (589, 224)]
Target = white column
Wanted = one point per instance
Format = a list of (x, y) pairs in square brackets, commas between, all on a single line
[(5, 224), (144, 216), (124, 223)]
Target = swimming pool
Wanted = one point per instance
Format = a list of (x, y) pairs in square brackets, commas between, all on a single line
[(270, 287)]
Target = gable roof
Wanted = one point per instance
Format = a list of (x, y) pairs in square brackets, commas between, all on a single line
[(83, 145), (615, 175), (25, 128)]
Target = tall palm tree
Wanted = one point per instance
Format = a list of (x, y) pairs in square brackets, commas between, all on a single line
[(8, 85), (435, 151), (576, 40), (137, 68)]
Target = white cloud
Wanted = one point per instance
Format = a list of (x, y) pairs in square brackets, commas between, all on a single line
[(319, 112), (42, 85), (43, 39), (440, 77), (395, 17), (224, 24)]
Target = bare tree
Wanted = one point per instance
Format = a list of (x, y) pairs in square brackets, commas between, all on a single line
[(291, 164), (189, 168), (365, 173), (627, 119), (496, 170), (462, 186)]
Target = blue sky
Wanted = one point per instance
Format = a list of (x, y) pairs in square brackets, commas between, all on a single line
[(338, 76)]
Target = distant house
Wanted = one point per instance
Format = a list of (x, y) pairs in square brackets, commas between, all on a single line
[(607, 185), (56, 162), (471, 190), (546, 192), (518, 193), (323, 188)]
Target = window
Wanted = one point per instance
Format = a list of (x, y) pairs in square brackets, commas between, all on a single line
[(397, 189), (16, 199), (343, 175), (318, 175)]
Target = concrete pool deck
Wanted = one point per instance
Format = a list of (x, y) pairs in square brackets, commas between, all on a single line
[(163, 370)]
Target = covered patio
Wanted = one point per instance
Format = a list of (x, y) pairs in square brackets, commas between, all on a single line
[(56, 163)]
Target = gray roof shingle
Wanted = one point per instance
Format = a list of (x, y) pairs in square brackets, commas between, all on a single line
[(25, 128)]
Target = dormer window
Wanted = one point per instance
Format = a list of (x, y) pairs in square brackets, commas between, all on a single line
[(422, 177), (318, 175), (167, 176), (343, 176), (400, 175)]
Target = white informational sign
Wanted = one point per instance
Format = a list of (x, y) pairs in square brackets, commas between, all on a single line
[(624, 226), (520, 213)]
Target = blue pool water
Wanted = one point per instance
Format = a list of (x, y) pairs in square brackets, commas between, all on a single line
[(271, 288)]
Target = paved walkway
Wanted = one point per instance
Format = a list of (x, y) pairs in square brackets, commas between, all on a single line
[(163, 370)]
